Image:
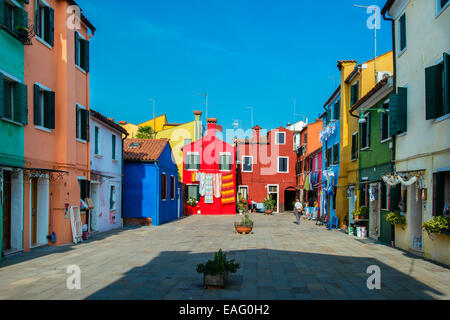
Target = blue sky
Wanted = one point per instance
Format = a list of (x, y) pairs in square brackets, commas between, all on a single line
[(243, 53)]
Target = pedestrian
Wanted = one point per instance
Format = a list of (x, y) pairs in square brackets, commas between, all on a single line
[(298, 210)]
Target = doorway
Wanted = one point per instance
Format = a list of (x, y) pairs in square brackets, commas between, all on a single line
[(272, 193), (6, 197), (289, 199), (95, 216), (416, 221), (39, 210), (351, 204), (374, 212)]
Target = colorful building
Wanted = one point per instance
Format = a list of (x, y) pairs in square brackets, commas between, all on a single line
[(356, 81), (210, 173), (151, 193), (330, 139), (419, 113), (266, 168), (57, 154), (106, 173), (375, 158), (180, 135), (13, 119), (157, 124)]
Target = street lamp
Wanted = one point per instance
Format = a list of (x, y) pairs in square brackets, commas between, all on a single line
[(362, 118)]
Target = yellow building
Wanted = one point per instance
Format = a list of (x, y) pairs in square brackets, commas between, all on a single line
[(160, 123), (356, 82), (180, 135)]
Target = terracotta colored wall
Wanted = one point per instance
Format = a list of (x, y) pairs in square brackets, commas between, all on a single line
[(55, 69)]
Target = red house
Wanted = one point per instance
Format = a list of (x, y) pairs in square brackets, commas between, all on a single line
[(267, 167), (209, 172)]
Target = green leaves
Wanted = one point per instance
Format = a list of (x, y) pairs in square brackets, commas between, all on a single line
[(395, 218), (145, 132), (439, 224), (220, 264)]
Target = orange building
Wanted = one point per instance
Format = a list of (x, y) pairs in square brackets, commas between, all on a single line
[(57, 154)]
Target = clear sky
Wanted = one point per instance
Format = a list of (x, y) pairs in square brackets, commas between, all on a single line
[(258, 53)]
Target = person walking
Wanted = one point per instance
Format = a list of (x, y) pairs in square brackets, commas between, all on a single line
[(298, 210)]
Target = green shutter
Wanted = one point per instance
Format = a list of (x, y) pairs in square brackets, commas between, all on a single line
[(49, 110), (446, 83), (2, 12), (77, 57), (47, 25), (403, 32), (20, 18), (84, 125), (2, 95), (113, 147), (337, 111), (20, 103), (86, 55), (393, 121), (37, 18), (433, 92), (402, 109), (51, 27), (36, 106)]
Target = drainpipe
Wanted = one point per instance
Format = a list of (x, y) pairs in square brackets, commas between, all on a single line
[(121, 178)]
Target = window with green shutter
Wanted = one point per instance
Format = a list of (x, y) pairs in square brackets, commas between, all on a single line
[(81, 52), (44, 107), (192, 161), (354, 93), (225, 162), (336, 110), (402, 32), (44, 22), (336, 153), (113, 143), (437, 94), (82, 123), (398, 111)]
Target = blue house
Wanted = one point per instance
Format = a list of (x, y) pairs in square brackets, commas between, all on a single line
[(330, 138), (151, 194)]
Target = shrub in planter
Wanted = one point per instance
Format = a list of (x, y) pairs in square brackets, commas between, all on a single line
[(395, 218), (269, 204), (245, 226), (439, 224), (215, 272), (192, 202), (360, 213)]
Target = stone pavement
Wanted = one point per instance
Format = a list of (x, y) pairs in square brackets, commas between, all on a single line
[(280, 260)]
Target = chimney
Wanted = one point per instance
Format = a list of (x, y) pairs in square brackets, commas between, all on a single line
[(212, 124), (111, 119), (197, 115), (256, 134), (122, 123)]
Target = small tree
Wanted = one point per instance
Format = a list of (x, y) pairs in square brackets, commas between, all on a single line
[(145, 132)]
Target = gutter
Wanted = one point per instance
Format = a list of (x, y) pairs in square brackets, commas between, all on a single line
[(122, 178)]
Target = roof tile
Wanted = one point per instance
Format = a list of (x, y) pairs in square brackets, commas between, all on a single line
[(143, 149)]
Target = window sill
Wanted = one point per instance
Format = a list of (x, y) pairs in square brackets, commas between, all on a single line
[(401, 134), (439, 11), (81, 69), (81, 141), (115, 161), (43, 42), (98, 156), (12, 122), (364, 149), (402, 52), (43, 129), (386, 140), (442, 118), (246, 171)]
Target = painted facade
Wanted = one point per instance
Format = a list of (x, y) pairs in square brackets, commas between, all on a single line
[(267, 168), (356, 81), (330, 139), (106, 173), (157, 124), (181, 135), (13, 118), (152, 193), (421, 112), (57, 135), (210, 158)]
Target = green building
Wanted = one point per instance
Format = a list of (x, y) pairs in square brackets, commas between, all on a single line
[(14, 33), (374, 149)]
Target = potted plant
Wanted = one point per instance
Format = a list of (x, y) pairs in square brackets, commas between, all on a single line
[(439, 224), (215, 272), (345, 222), (360, 214), (396, 218), (245, 226), (269, 204), (192, 205), (242, 205)]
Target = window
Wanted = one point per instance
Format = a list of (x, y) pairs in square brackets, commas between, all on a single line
[(402, 33), (81, 52), (225, 162), (337, 110), (113, 146), (362, 195), (437, 89), (192, 161), (96, 140), (441, 5), (44, 107), (328, 158), (336, 153), (187, 141), (12, 17), (365, 133), (112, 198), (163, 186), (281, 137), (44, 24), (334, 197), (283, 164), (384, 118), (243, 192), (354, 93), (172, 187), (441, 191), (398, 111), (84, 189), (247, 164), (306, 138), (355, 146), (193, 192), (82, 123), (13, 101), (384, 196)]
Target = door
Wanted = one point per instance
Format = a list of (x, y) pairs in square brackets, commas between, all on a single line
[(7, 209), (416, 221), (179, 203), (385, 228), (243, 192), (95, 196), (34, 209), (351, 204), (374, 212), (272, 193)]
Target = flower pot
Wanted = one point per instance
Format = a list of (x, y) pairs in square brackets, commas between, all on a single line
[(215, 280), (243, 229), (268, 211)]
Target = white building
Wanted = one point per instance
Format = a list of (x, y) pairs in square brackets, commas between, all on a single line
[(297, 128), (419, 119), (106, 173)]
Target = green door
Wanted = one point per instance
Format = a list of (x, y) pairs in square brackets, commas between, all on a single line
[(385, 228)]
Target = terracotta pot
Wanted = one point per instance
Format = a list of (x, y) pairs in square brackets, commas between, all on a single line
[(243, 229), (268, 212), (215, 280)]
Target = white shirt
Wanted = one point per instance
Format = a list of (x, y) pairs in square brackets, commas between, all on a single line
[(298, 206)]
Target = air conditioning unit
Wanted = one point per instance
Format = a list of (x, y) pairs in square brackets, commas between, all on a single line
[(381, 75)]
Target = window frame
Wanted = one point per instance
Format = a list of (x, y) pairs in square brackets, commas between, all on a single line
[(172, 187), (277, 134), (355, 149), (97, 140), (239, 191), (192, 153), (78, 108), (287, 164), (41, 35), (367, 135), (382, 122), (112, 202), (79, 52), (243, 163), (231, 161), (188, 186), (440, 9), (43, 89), (113, 147), (399, 32), (163, 186), (335, 161)]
